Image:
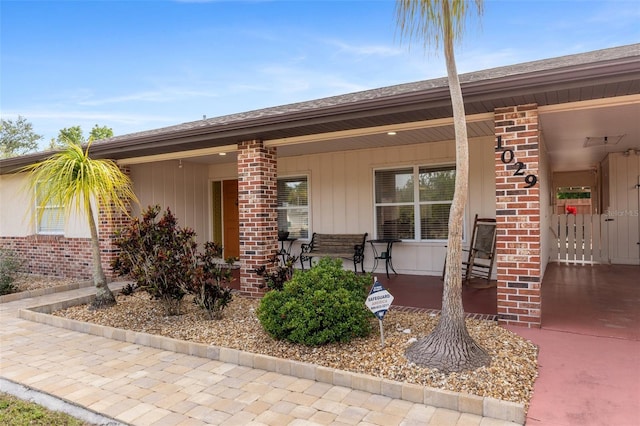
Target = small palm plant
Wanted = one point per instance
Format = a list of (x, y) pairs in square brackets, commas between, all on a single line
[(71, 179)]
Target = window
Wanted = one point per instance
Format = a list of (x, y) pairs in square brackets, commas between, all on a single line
[(52, 219), (399, 201), (573, 200), (293, 206)]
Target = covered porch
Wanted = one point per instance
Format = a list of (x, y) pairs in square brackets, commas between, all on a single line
[(594, 300)]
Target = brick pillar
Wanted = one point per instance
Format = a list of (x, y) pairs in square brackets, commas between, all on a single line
[(518, 215), (257, 198), (110, 220)]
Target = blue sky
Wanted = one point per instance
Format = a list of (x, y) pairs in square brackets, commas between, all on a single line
[(139, 65)]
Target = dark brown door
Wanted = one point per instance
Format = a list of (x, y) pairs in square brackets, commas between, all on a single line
[(230, 219)]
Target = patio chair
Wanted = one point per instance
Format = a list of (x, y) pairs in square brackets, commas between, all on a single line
[(482, 250)]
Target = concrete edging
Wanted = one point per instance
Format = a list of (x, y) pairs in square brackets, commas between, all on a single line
[(462, 402), (12, 297)]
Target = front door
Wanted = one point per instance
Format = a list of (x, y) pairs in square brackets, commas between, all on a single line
[(230, 219)]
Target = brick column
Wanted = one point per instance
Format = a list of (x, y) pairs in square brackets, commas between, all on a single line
[(257, 198), (518, 216), (110, 220)]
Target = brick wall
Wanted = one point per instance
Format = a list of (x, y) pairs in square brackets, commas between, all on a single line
[(518, 216), (257, 199), (53, 255)]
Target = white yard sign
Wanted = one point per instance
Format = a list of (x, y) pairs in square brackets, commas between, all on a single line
[(379, 302)]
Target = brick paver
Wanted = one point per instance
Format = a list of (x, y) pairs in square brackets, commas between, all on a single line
[(140, 385)]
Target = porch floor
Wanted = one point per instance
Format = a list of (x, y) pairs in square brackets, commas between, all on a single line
[(589, 347), (425, 292), (589, 342)]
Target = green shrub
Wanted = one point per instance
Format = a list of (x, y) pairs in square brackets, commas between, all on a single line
[(10, 265), (322, 305)]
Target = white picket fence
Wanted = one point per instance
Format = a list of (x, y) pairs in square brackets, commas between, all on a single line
[(580, 238)]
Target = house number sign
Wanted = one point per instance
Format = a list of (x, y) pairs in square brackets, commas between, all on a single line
[(508, 156)]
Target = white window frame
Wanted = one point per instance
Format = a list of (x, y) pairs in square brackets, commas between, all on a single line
[(54, 212), (416, 203), (307, 209)]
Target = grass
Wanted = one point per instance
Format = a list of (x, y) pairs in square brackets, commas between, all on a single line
[(16, 412)]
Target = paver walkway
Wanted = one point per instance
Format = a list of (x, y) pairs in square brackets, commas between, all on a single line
[(140, 385)]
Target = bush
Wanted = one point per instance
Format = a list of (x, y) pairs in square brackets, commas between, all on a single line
[(322, 305), (210, 283), (10, 265), (280, 273), (163, 260), (158, 255)]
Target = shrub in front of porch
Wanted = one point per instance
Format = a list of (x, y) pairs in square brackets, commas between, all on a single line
[(210, 281), (164, 261), (322, 305)]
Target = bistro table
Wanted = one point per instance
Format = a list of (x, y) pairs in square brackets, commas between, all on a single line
[(285, 249), (383, 255)]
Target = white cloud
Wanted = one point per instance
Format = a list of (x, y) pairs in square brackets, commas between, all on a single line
[(380, 50), (165, 95)]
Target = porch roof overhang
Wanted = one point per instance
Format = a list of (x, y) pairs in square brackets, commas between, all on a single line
[(583, 77)]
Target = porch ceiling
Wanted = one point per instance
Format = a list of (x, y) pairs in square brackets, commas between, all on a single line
[(565, 132)]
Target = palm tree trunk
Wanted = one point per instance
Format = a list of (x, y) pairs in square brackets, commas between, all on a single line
[(104, 296), (450, 347)]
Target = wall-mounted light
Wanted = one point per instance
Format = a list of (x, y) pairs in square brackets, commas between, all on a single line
[(391, 133), (222, 153)]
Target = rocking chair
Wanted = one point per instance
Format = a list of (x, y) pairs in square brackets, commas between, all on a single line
[(482, 250)]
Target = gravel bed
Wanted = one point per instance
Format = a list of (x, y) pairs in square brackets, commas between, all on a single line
[(29, 282), (510, 376)]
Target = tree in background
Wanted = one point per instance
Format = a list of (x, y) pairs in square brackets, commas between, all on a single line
[(17, 137), (75, 133), (73, 179), (449, 347)]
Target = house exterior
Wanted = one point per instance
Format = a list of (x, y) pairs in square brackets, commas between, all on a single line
[(383, 161)]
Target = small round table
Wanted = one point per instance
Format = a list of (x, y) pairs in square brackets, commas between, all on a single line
[(384, 255), (285, 251)]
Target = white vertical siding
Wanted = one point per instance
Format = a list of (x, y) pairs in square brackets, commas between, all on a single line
[(623, 230), (341, 191), (546, 209), (184, 190)]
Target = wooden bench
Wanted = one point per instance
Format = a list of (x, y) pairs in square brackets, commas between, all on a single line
[(345, 246)]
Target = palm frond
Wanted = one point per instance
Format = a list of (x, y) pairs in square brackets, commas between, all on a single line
[(434, 21), (71, 179)]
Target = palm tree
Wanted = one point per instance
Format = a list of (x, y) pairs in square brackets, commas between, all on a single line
[(449, 347), (70, 178)]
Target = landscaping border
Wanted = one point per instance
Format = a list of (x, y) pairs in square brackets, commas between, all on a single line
[(462, 402), (12, 297)]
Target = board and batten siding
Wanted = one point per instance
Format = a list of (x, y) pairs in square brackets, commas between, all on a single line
[(547, 197), (182, 189), (622, 207), (341, 193)]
